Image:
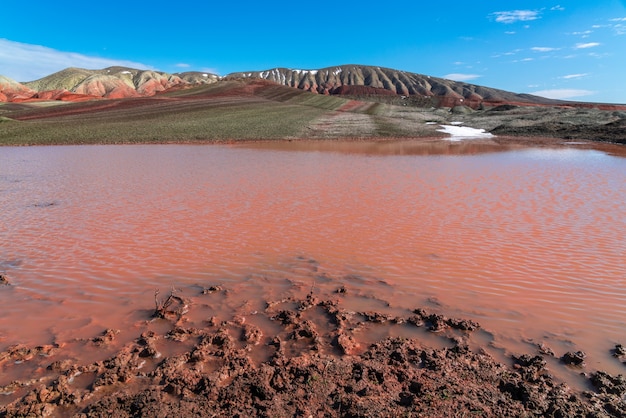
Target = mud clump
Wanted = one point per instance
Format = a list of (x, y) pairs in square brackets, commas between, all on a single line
[(619, 352), (4, 281), (574, 359), (317, 361)]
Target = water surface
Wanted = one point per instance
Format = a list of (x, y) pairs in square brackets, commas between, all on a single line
[(528, 242)]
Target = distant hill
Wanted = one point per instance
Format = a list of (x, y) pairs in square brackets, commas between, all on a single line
[(11, 90), (74, 84), (240, 109), (369, 80), (360, 81)]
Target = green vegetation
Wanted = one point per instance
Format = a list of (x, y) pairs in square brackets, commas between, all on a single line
[(224, 111)]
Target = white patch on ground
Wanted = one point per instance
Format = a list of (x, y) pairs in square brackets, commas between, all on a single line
[(459, 133), (456, 123), (205, 75)]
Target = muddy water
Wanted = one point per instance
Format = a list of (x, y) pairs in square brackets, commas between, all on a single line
[(528, 242)]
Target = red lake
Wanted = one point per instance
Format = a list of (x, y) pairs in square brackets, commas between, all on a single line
[(529, 242)]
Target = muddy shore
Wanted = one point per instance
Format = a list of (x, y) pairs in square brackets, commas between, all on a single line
[(308, 354)]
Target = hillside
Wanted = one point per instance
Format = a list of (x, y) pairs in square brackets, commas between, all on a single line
[(73, 84), (224, 111), (355, 81), (255, 109), (11, 90), (368, 80)]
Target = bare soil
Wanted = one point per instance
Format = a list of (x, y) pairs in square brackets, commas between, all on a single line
[(306, 355)]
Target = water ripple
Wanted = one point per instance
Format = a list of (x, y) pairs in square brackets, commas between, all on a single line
[(520, 237)]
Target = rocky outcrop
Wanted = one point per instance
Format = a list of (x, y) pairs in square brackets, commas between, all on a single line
[(197, 78), (12, 91), (148, 83), (105, 86), (62, 95)]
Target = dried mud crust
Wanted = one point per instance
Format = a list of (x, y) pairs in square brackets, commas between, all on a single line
[(318, 362)]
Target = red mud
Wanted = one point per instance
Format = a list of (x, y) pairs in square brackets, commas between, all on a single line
[(307, 354)]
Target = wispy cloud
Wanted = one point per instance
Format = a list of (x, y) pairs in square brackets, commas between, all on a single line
[(584, 34), (573, 76), (461, 77), (558, 8), (27, 62), (619, 25), (562, 94), (513, 16), (587, 45), (544, 49), (182, 65)]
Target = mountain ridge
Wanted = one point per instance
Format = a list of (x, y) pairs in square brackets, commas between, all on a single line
[(77, 84), (331, 80)]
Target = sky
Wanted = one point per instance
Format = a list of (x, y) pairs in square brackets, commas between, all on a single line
[(563, 49)]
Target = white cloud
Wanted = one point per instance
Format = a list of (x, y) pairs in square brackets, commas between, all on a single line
[(543, 49), (587, 45), (619, 27), (572, 76), (182, 65), (510, 53), (558, 8), (561, 94), (514, 16), (27, 62), (510, 32), (461, 77)]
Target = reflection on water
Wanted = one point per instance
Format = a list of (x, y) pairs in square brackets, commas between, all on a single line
[(529, 242), (389, 147)]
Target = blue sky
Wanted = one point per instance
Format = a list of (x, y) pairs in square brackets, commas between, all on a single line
[(562, 49)]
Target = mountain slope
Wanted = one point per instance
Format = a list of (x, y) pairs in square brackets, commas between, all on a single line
[(11, 90), (72, 84), (113, 82), (255, 109), (230, 110), (343, 80), (357, 81)]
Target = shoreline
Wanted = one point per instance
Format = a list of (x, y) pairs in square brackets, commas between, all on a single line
[(497, 141), (309, 353)]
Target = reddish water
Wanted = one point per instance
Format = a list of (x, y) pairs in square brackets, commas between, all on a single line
[(529, 242)]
